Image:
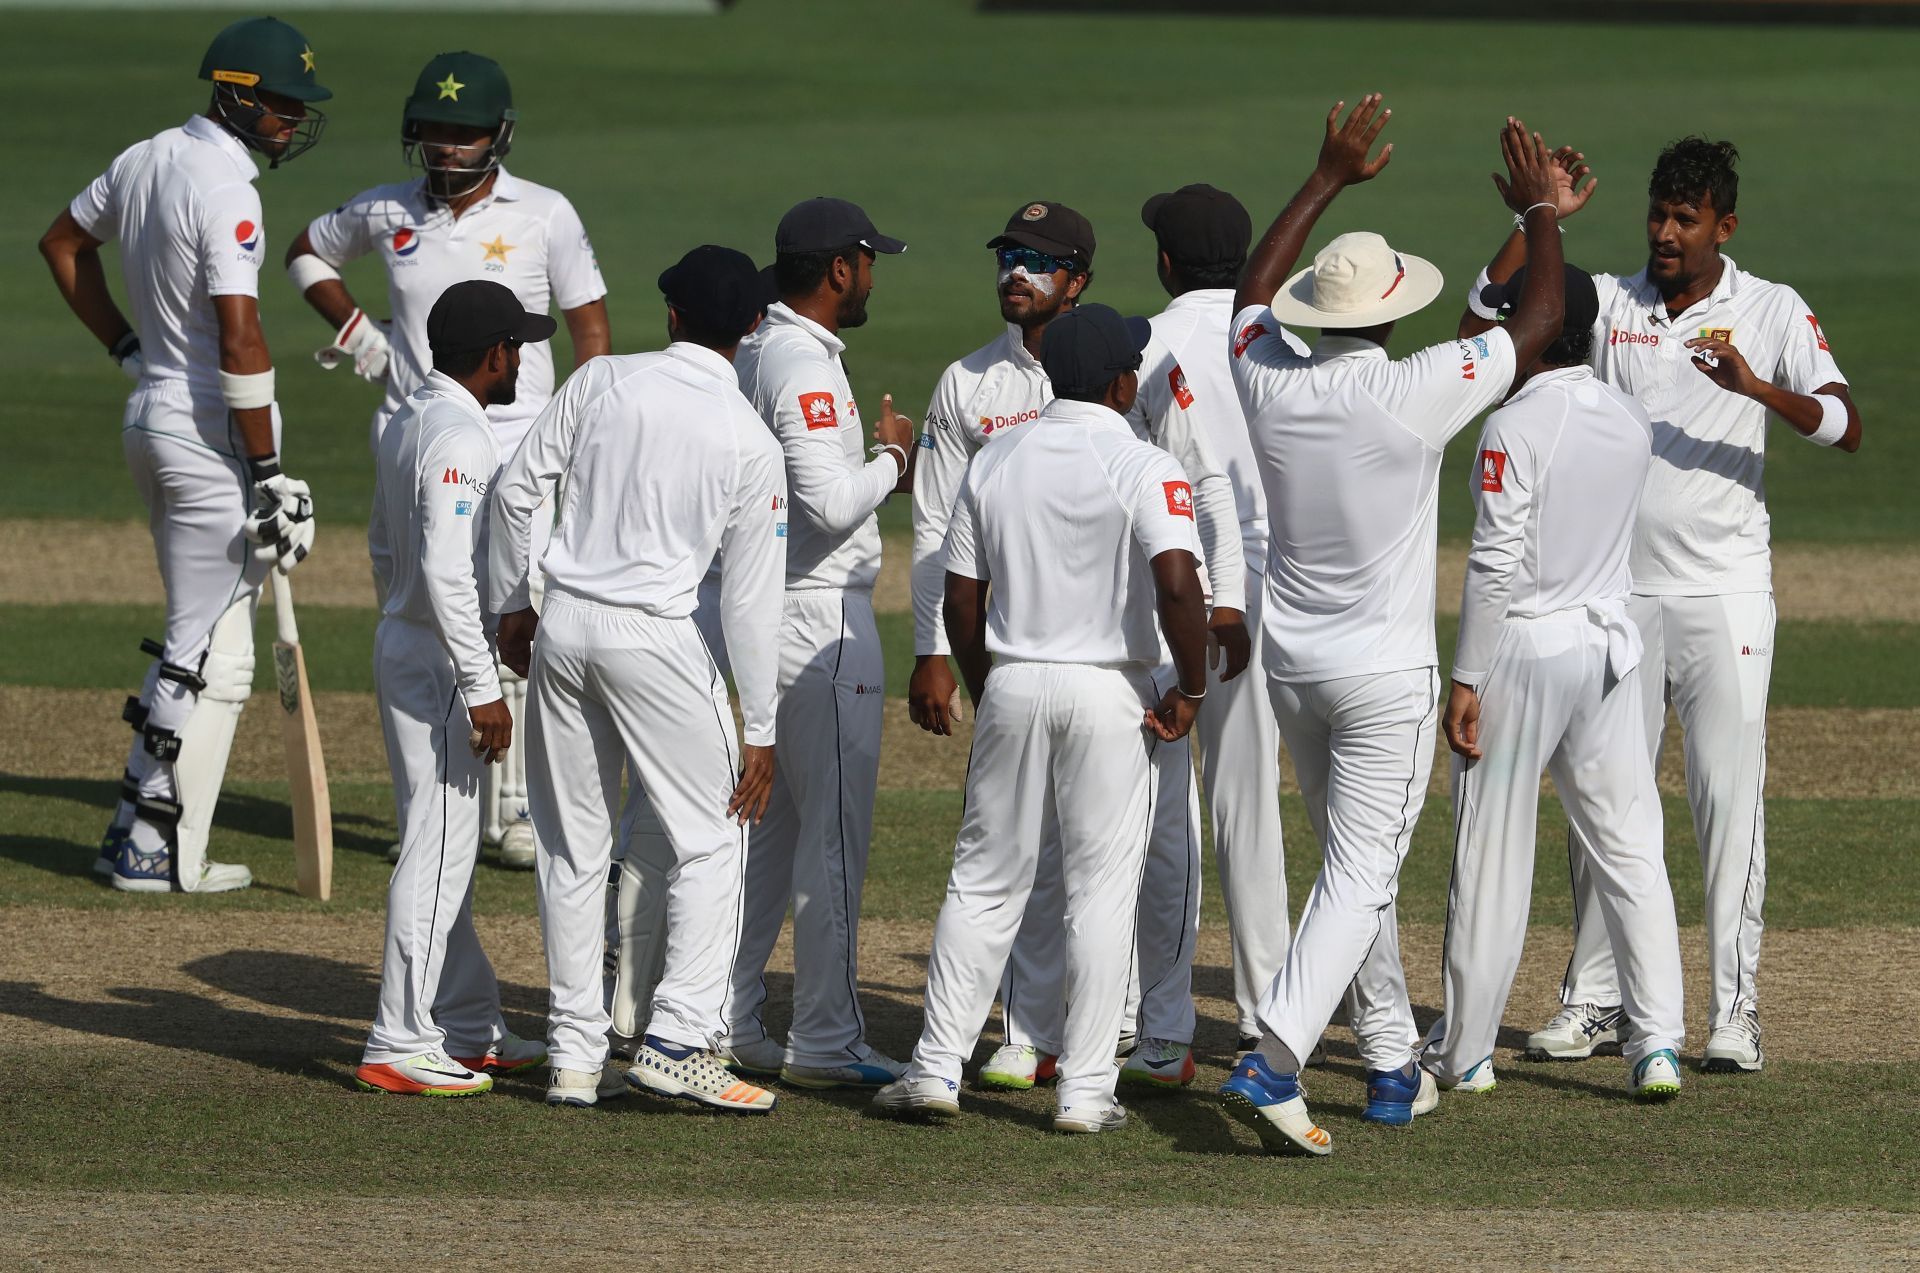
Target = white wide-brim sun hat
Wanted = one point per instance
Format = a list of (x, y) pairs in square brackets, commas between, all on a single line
[(1357, 280)]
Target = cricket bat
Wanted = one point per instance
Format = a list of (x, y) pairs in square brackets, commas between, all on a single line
[(306, 767)]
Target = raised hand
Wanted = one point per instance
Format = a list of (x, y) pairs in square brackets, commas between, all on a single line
[(1531, 169), (1570, 168), (1343, 154)]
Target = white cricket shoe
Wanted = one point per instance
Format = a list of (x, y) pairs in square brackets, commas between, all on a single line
[(1578, 1031), (875, 1070), (1478, 1079), (583, 1089), (1159, 1063), (1657, 1077), (141, 872), (762, 1058), (509, 1054), (1089, 1120), (698, 1076), (428, 1074), (516, 846), (934, 1098), (1275, 1107), (1016, 1067), (1734, 1048)]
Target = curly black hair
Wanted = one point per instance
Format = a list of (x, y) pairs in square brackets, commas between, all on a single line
[(1694, 170)]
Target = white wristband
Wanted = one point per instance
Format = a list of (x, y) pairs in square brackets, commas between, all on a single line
[(899, 453), (243, 393), (307, 269), (1479, 307), (1833, 420), (1520, 218)]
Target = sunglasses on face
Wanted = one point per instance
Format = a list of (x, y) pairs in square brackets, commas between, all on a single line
[(1033, 261)]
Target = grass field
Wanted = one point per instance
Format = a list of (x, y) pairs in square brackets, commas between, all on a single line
[(179, 1089)]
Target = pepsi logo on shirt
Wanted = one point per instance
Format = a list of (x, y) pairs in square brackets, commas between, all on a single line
[(247, 235)]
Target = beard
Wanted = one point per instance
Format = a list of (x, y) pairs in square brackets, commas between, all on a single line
[(853, 310)]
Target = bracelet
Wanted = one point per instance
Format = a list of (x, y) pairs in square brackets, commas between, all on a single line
[(898, 452), (1520, 218), (1191, 698)]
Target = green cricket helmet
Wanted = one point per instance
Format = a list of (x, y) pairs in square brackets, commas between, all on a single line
[(466, 90), (256, 55)]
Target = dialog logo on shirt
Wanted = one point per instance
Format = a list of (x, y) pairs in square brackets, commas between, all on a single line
[(1179, 499), (1618, 337), (1251, 333), (817, 410), (406, 241), (990, 424), (1493, 470), (1177, 381), (247, 235), (1818, 335)]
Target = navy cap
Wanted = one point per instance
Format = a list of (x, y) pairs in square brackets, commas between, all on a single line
[(479, 314), (1088, 347), (1583, 299), (824, 225), (1199, 225), (1053, 228), (718, 288)]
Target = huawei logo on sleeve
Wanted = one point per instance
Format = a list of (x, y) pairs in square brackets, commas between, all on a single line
[(1179, 499), (817, 410)]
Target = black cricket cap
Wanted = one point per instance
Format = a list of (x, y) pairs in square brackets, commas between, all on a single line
[(718, 288), (1088, 347), (1053, 228), (824, 225), (1583, 300), (1199, 225), (479, 314)]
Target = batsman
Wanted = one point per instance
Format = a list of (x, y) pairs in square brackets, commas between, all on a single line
[(200, 432), (466, 217)]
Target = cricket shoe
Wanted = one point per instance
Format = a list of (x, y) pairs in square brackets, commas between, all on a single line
[(1124, 1048), (583, 1089), (507, 1056), (1250, 1043), (516, 846), (761, 1059), (932, 1098), (1477, 1080), (1090, 1120), (875, 1070), (1159, 1063), (1275, 1106), (109, 854), (1656, 1077), (1394, 1098), (1734, 1048), (1578, 1031), (429, 1074), (138, 871), (694, 1074), (1016, 1067)]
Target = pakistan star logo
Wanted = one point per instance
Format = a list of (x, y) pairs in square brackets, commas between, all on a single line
[(306, 58), (497, 250), (449, 88)]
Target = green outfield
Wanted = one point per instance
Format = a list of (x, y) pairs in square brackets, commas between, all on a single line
[(195, 1056)]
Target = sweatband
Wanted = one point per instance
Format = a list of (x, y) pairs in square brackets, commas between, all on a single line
[(1833, 420), (243, 393), (1479, 307), (307, 269)]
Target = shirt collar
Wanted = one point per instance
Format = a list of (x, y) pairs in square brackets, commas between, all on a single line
[(1722, 290), (1331, 345), (441, 382), (1017, 349), (1202, 298), (505, 186), (1553, 376), (705, 359), (778, 312), (1093, 414), (200, 128)]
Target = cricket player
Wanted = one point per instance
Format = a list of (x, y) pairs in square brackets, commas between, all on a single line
[(1065, 537), (812, 846), (201, 431), (1709, 350), (438, 1031), (465, 217), (1546, 676), (666, 464), (1349, 444)]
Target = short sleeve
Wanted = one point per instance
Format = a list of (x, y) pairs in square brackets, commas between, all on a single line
[(1806, 362), (97, 208), (963, 549), (1446, 385), (1161, 508), (1258, 347), (572, 271), (343, 234), (233, 240)]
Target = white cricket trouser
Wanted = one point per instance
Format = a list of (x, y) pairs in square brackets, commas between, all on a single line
[(437, 989), (1548, 703), (1240, 767), (1362, 749), (1159, 1005), (812, 845), (1059, 751), (611, 684), (1716, 654)]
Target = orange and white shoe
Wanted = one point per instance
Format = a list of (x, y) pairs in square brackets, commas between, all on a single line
[(509, 1055), (1016, 1067), (429, 1074), (695, 1074)]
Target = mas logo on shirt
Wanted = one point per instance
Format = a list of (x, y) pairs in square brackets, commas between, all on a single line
[(406, 241), (1177, 381), (1467, 360), (1179, 499), (1248, 334), (817, 410), (454, 477), (247, 235), (1818, 335), (1493, 471)]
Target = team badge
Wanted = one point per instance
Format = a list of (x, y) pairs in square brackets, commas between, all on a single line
[(1818, 335), (497, 250), (817, 410), (406, 241), (1179, 499), (1253, 332), (1717, 333), (449, 89), (247, 234), (1493, 471), (1034, 212), (1177, 381)]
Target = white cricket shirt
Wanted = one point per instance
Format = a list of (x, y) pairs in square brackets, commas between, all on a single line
[(523, 235), (790, 370), (1348, 443), (1703, 521), (431, 476), (183, 206), (1556, 490), (665, 464), (1065, 518)]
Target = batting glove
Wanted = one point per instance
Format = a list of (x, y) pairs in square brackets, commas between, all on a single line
[(127, 356), (281, 526), (363, 341)]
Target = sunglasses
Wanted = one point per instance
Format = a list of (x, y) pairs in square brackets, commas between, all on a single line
[(1034, 261)]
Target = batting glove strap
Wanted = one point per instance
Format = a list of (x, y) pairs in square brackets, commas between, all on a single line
[(126, 355), (281, 526), (362, 341)]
